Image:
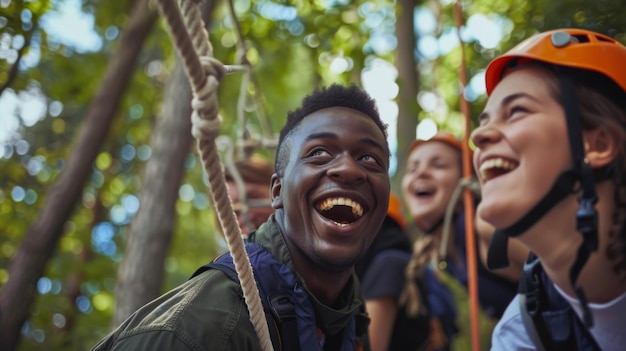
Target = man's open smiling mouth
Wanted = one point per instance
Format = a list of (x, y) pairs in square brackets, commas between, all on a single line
[(342, 211), (495, 167)]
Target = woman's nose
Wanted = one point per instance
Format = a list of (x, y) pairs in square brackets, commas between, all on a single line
[(484, 135)]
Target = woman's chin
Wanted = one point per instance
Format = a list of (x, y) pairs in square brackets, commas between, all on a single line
[(494, 214)]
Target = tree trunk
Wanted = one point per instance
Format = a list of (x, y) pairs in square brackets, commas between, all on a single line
[(141, 272), (38, 245), (408, 81)]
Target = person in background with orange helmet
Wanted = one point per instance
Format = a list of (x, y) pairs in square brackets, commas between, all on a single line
[(551, 161), (381, 271), (430, 181)]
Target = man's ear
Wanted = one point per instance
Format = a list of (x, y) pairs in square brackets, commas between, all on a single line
[(601, 147), (275, 190)]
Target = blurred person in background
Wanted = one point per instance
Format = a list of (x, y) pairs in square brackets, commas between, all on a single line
[(248, 187), (381, 273), (434, 170)]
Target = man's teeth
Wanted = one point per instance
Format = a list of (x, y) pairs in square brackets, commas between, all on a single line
[(499, 165), (329, 203)]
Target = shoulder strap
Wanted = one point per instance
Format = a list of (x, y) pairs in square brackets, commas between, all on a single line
[(532, 303), (548, 318), (529, 324), (282, 313)]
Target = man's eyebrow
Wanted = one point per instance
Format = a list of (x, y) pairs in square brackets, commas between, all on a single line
[(373, 143), (329, 135), (323, 135)]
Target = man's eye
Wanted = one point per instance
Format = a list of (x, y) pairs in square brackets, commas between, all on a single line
[(371, 159), (318, 152)]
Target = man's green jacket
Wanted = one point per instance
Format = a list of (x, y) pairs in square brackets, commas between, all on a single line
[(208, 312)]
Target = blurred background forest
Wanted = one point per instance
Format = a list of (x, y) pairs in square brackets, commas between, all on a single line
[(103, 200)]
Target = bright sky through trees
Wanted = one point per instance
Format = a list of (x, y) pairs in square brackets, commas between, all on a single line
[(72, 27)]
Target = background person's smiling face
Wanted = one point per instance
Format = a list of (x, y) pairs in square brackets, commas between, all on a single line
[(432, 174), (335, 187)]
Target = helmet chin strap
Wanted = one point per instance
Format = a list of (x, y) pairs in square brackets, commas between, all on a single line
[(586, 216), (563, 186)]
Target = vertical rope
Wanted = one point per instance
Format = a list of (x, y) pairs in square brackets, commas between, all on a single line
[(468, 201), (205, 73)]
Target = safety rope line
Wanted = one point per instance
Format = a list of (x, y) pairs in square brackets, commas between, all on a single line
[(468, 199), (205, 73), (464, 183)]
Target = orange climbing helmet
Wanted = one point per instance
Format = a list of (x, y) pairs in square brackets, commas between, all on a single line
[(568, 47), (441, 136), (395, 211)]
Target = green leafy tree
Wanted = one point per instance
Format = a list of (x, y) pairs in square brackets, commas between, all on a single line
[(68, 300)]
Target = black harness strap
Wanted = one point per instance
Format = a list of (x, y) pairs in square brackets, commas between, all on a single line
[(284, 314), (532, 302), (548, 318), (497, 255)]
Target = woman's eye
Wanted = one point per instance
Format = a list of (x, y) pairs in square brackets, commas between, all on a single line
[(410, 169), (517, 109), (483, 118)]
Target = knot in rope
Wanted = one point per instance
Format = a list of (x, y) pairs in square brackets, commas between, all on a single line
[(205, 121), (213, 67)]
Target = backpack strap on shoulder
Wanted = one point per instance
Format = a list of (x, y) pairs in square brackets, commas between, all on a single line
[(284, 313), (548, 318), (532, 303), (232, 274), (280, 311)]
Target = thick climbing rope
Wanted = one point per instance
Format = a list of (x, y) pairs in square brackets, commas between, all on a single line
[(205, 73), (468, 199)]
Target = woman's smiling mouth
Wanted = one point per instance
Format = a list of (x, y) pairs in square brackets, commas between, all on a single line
[(342, 211), (495, 167)]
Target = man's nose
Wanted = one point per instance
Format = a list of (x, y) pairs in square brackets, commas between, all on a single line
[(347, 169)]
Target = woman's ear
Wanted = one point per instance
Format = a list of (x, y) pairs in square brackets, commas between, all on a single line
[(275, 190), (601, 147)]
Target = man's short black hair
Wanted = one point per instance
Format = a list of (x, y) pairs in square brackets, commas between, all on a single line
[(333, 96)]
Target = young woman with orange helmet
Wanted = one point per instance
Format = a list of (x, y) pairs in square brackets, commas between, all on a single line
[(550, 157), (432, 176)]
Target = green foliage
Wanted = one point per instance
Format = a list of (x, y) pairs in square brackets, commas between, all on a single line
[(292, 47), (463, 340)]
